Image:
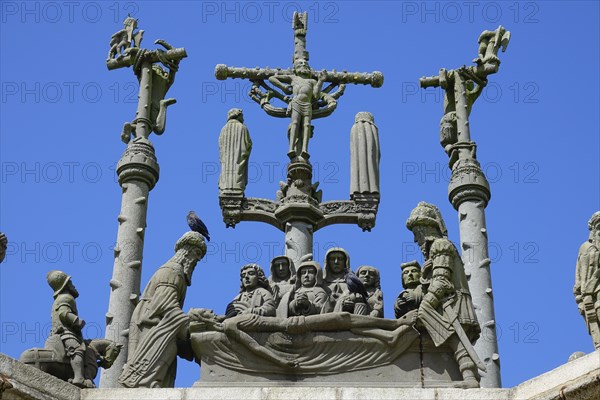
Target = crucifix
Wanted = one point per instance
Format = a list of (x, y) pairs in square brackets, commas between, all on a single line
[(300, 88), (138, 172), (304, 95), (469, 190)]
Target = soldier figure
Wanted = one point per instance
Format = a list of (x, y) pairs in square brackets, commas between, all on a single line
[(67, 325), (446, 311)]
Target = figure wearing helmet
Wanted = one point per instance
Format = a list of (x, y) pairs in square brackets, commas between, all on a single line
[(446, 310), (67, 325)]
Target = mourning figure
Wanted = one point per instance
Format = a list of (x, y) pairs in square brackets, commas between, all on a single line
[(307, 297), (370, 278), (255, 294), (234, 153), (587, 279), (337, 265), (410, 298), (159, 327), (446, 310), (364, 155), (282, 277)]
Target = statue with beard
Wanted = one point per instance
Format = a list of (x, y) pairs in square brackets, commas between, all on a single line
[(159, 327)]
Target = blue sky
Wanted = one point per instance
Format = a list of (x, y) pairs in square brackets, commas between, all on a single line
[(536, 126)]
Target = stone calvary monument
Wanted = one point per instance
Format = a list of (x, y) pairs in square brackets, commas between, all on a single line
[(305, 324)]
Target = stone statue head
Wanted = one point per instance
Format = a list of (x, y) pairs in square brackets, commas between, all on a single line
[(364, 116), (301, 68), (129, 21), (61, 282), (282, 269), (369, 276), (337, 263), (191, 247), (426, 223), (235, 113), (309, 274), (411, 274), (252, 276), (594, 227)]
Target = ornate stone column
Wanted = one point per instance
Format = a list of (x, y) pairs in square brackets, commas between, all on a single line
[(469, 191), (138, 172)]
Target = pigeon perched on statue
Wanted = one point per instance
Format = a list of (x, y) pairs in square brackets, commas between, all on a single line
[(355, 285), (196, 224)]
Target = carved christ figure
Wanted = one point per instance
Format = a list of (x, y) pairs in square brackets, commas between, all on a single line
[(304, 91)]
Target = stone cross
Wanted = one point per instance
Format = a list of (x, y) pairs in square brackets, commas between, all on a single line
[(138, 172), (469, 191), (304, 94)]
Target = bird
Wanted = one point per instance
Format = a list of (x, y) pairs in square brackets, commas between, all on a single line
[(355, 285), (196, 224)]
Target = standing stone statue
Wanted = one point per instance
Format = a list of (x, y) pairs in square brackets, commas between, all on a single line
[(370, 278), (446, 310), (412, 295), (282, 277), (337, 265), (67, 325), (587, 280), (66, 354), (159, 327), (3, 245), (308, 297), (255, 294), (234, 153), (364, 155)]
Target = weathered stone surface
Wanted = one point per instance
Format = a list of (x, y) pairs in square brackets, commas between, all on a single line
[(31, 383), (576, 380), (468, 190)]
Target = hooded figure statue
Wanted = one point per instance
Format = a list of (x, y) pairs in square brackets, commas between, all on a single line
[(370, 277), (307, 296), (282, 277), (336, 266)]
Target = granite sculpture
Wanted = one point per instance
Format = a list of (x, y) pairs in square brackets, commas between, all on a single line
[(469, 190), (282, 278), (302, 95), (255, 295), (364, 156), (336, 266), (159, 328), (587, 280), (307, 297), (410, 298), (138, 172), (371, 279), (235, 146), (446, 310), (66, 354)]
